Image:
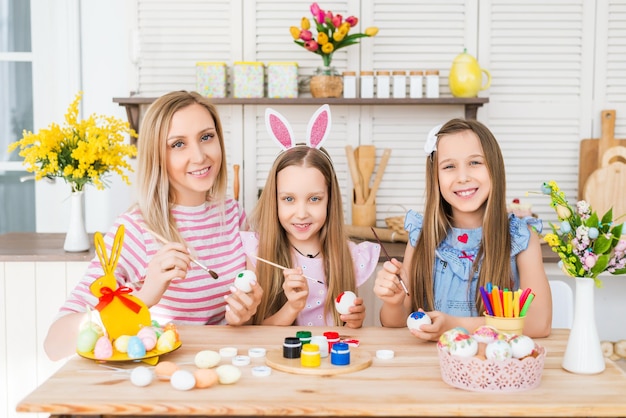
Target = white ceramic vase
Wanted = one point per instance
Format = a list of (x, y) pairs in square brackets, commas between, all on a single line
[(76, 239), (583, 354)]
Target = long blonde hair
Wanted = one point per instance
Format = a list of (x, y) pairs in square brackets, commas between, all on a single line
[(493, 260), (153, 186), (274, 244)]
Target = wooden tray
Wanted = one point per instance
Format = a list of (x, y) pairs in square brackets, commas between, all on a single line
[(359, 360)]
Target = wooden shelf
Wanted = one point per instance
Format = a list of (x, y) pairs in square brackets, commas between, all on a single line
[(133, 103)]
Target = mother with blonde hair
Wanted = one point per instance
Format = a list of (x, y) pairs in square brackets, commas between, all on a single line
[(182, 215)]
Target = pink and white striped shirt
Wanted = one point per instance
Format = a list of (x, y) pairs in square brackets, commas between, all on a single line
[(197, 299)]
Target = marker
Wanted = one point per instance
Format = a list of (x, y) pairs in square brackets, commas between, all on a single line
[(516, 302), (522, 298), (507, 298), (529, 300), (486, 302), (497, 303)]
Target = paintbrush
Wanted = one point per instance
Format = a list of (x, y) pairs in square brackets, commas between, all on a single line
[(389, 259), (284, 268), (193, 260)]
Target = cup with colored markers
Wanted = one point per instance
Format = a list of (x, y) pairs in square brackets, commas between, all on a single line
[(514, 325), (505, 309)]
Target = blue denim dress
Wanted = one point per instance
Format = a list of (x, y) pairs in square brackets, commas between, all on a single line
[(454, 294)]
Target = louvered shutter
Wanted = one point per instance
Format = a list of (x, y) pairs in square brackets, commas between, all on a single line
[(540, 55)]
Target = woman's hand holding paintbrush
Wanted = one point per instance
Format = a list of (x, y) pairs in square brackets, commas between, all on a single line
[(193, 260)]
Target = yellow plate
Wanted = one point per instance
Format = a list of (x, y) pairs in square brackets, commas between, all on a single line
[(151, 357)]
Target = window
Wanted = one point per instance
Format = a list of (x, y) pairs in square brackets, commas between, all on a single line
[(16, 114)]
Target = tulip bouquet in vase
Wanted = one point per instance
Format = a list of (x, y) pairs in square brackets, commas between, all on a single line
[(333, 33), (587, 246)]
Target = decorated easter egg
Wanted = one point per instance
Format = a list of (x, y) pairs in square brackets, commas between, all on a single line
[(166, 341), (485, 334), (498, 350), (121, 343), (416, 319), (206, 359), (165, 369), (141, 376), (521, 346), (157, 328), (87, 340), (344, 301), (94, 326), (103, 348), (447, 338), (147, 335), (172, 327), (228, 374), (183, 380), (135, 348), (205, 378), (244, 280), (464, 346)]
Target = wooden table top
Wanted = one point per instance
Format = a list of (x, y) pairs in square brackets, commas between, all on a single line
[(408, 385)]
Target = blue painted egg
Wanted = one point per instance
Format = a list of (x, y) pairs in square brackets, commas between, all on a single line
[(135, 349)]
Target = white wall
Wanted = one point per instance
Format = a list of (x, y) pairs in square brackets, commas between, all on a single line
[(80, 45)]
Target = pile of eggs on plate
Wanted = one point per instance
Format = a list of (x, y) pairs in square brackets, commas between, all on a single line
[(487, 343), (205, 376), (92, 338)]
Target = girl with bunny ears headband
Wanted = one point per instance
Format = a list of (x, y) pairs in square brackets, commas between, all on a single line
[(298, 223)]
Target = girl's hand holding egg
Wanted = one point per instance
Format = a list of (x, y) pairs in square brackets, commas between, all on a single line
[(344, 301), (417, 319)]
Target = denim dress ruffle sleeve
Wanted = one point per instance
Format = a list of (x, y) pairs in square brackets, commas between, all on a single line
[(455, 291)]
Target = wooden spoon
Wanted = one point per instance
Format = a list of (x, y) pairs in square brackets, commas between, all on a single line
[(354, 173), (379, 176), (366, 161)]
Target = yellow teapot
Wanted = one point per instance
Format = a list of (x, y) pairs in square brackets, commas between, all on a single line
[(466, 76)]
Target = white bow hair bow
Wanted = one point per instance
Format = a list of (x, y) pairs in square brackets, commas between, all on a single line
[(431, 140)]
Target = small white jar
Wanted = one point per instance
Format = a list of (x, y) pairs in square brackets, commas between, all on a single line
[(349, 85), (382, 84), (416, 89), (432, 84), (399, 84), (367, 84)]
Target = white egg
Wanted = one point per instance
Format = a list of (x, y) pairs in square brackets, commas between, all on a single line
[(206, 359), (141, 376), (244, 280), (498, 350), (416, 319), (344, 301), (521, 346), (228, 374), (183, 380)]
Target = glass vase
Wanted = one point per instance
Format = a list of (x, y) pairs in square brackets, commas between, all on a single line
[(326, 82), (76, 238), (583, 354)]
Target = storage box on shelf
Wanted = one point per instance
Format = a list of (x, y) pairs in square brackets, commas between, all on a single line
[(211, 79)]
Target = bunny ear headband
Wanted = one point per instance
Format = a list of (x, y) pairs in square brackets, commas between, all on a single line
[(280, 130)]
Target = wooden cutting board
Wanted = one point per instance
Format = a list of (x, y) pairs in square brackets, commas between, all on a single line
[(592, 150), (606, 187)]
